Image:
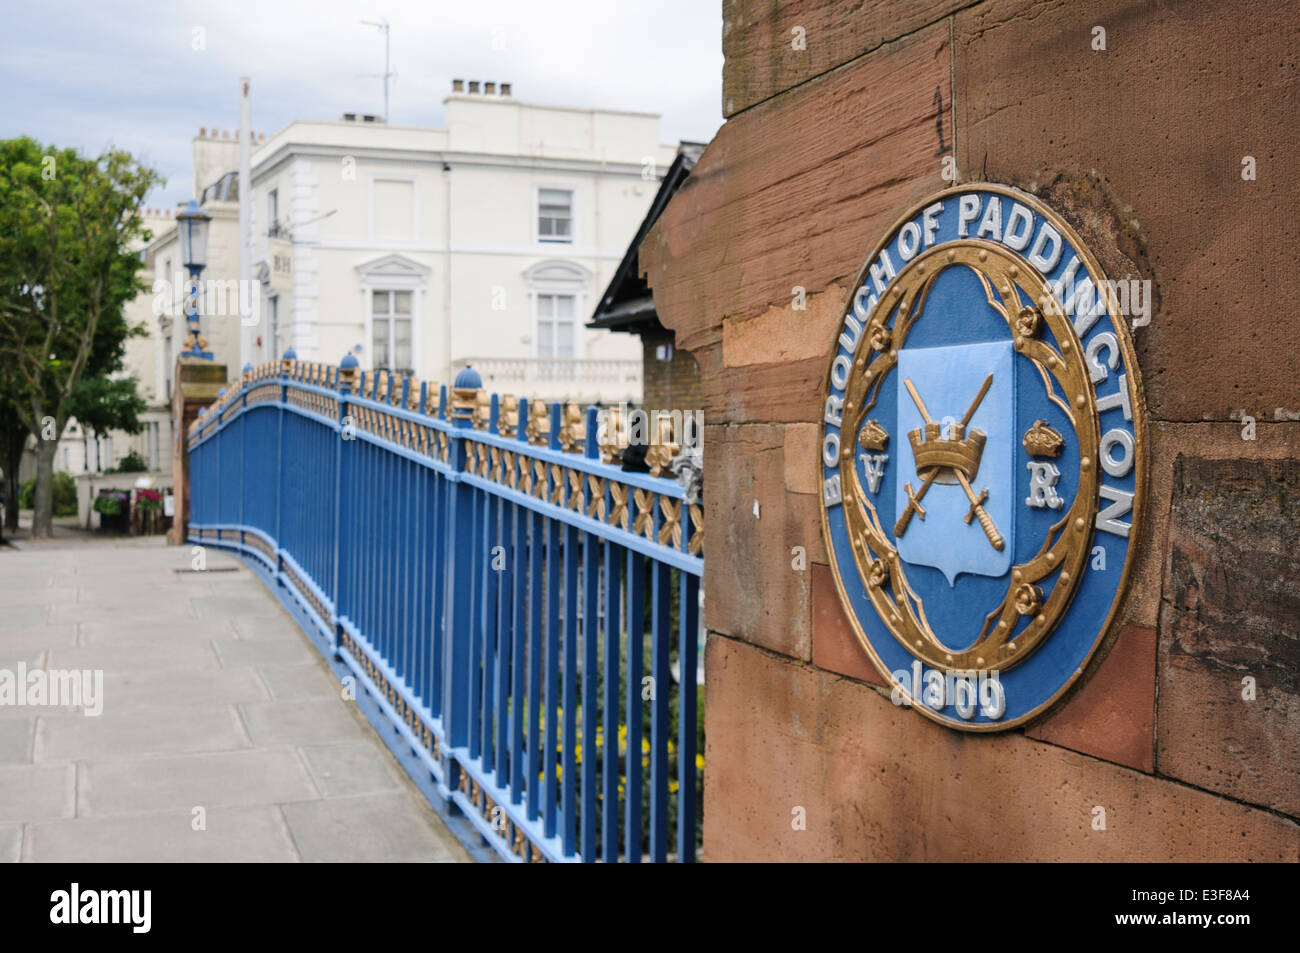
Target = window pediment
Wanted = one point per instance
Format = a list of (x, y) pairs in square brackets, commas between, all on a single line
[(393, 268), (556, 274)]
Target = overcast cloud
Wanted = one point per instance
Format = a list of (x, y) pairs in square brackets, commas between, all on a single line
[(91, 74)]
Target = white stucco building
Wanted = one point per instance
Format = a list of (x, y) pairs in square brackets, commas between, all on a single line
[(486, 241)]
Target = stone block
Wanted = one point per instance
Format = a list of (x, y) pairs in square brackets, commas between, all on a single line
[(753, 590), (1112, 714), (790, 747), (1165, 164), (1230, 611), (797, 191), (835, 645), (764, 57)]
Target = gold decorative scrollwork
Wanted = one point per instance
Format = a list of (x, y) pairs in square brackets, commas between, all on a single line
[(618, 512), (695, 546), (596, 497), (670, 526), (645, 518)]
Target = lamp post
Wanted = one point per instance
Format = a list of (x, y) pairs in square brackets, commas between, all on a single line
[(192, 230)]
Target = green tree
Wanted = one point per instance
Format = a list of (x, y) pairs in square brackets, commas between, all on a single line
[(13, 436), (67, 226), (102, 403)]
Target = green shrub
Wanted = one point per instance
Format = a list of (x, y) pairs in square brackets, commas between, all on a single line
[(65, 494), (132, 463)]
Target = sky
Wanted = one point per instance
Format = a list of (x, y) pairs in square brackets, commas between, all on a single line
[(145, 76)]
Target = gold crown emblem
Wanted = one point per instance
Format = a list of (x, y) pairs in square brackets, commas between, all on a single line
[(872, 436), (1043, 441), (955, 451)]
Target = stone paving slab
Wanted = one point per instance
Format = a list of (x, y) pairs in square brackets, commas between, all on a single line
[(245, 652), (299, 682), (21, 616), (368, 829), (314, 722), (11, 843), (21, 640), (16, 736), (32, 791), (110, 629), (138, 657), (139, 731), (214, 687), (213, 699), (225, 779), (343, 770), (231, 834), (266, 627)]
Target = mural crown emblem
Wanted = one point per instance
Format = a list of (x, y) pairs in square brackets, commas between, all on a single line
[(872, 436), (1042, 440), (955, 451)]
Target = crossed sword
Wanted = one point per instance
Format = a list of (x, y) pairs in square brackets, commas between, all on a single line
[(976, 502)]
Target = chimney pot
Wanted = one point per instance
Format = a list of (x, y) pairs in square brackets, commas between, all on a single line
[(473, 86), (458, 86), (490, 88), (505, 89), (203, 132)]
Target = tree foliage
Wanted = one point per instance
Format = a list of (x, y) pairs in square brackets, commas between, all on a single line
[(67, 269)]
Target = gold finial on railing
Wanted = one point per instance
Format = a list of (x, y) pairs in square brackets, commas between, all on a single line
[(482, 410), (613, 439), (661, 450), (539, 423), (508, 415), (574, 431)]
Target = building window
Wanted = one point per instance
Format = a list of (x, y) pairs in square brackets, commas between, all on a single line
[(273, 325), (169, 349), (555, 215), (556, 325), (390, 314), (273, 213), (151, 445)]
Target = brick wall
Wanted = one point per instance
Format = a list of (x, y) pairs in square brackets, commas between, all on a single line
[(669, 385), (1140, 146)]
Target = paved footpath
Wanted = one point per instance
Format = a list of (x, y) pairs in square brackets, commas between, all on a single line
[(213, 700)]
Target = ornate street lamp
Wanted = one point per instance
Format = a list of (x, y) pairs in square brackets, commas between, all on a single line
[(192, 230)]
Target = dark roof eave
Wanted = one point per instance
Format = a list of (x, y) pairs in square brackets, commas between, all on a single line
[(637, 311), (627, 269)]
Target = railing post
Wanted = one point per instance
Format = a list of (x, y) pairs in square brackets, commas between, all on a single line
[(460, 548), (345, 380), (243, 445), (286, 363)]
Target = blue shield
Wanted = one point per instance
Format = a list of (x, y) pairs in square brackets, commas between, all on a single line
[(948, 380)]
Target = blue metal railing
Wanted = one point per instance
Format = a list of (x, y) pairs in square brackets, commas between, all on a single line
[(514, 603)]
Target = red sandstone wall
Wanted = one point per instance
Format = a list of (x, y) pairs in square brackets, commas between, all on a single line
[(1140, 146)]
